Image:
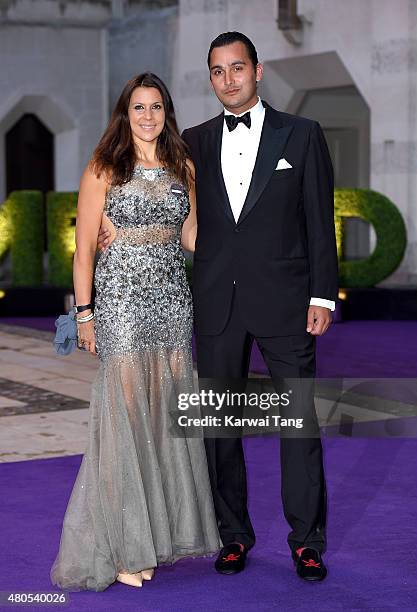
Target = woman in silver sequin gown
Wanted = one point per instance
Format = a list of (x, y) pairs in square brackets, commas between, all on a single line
[(142, 496)]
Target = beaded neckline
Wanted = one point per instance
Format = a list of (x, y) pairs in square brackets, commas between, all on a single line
[(140, 167)]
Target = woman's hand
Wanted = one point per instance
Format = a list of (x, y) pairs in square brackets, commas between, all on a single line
[(86, 336)]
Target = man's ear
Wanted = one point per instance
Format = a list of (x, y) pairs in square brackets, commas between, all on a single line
[(259, 72)]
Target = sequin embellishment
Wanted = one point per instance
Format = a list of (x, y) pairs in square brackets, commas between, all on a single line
[(142, 296)]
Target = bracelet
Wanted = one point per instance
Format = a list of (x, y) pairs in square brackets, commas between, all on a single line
[(82, 308), (85, 319)]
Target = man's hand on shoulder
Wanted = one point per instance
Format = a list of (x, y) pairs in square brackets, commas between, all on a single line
[(319, 320)]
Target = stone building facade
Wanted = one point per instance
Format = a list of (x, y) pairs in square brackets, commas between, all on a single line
[(350, 65)]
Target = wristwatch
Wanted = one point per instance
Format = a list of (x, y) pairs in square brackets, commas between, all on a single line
[(78, 309)]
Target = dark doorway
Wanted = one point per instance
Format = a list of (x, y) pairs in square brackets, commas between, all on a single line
[(29, 156)]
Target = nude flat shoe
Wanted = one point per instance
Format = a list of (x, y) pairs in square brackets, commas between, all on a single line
[(134, 580), (148, 574)]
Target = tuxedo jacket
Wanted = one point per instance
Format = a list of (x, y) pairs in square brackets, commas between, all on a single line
[(282, 249)]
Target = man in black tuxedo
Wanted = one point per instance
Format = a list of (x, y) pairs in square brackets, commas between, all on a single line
[(265, 268)]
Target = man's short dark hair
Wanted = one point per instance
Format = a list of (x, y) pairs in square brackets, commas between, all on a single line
[(228, 38)]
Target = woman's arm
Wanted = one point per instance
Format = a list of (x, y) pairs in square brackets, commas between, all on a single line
[(189, 229), (90, 207)]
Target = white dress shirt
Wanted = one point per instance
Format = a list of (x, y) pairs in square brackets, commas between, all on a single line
[(239, 151), (238, 156)]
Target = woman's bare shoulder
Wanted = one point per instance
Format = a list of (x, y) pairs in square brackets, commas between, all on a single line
[(94, 177)]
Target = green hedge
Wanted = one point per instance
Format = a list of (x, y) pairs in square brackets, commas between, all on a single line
[(391, 236), (21, 231), (61, 213), (5, 229), (25, 212)]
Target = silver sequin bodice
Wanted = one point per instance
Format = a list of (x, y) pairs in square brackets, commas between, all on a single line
[(142, 296)]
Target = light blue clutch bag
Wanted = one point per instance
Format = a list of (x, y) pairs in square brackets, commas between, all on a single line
[(65, 340)]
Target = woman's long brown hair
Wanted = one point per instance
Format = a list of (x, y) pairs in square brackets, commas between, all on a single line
[(115, 153)]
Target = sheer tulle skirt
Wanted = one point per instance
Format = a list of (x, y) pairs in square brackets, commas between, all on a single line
[(142, 496)]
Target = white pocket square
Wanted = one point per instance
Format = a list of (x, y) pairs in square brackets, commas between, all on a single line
[(283, 164)]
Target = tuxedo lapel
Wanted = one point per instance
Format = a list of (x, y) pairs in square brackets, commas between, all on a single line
[(271, 147), (213, 158)]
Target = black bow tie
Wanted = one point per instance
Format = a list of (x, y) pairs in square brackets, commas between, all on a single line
[(232, 121)]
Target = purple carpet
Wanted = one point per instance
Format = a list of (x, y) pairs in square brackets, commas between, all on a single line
[(41, 323), (372, 553)]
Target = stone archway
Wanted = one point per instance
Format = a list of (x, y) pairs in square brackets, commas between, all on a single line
[(58, 120)]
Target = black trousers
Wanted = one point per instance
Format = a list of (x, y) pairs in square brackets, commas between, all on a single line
[(303, 488)]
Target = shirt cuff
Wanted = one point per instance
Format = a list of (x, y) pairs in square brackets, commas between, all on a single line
[(325, 303)]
